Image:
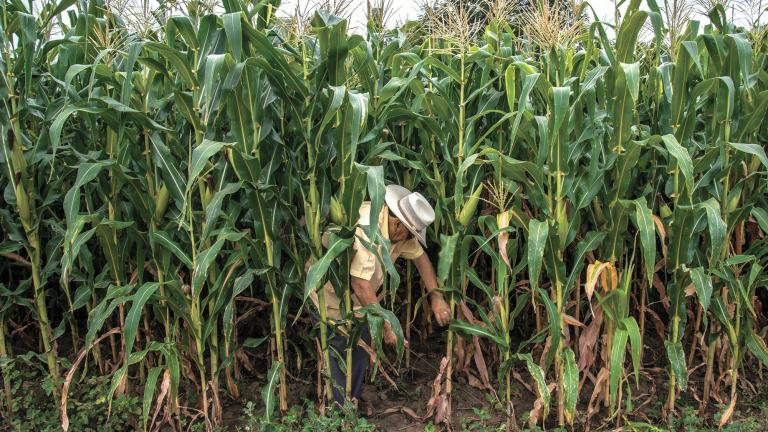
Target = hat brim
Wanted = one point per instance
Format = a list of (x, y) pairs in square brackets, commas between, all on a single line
[(392, 197)]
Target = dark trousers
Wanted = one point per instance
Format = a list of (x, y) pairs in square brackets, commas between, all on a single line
[(360, 360)]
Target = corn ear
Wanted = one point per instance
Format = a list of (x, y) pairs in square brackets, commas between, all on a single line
[(161, 202), (337, 213), (469, 208), (22, 202)]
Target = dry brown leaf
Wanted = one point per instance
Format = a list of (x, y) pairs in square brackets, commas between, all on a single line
[(593, 273), (609, 284), (659, 285), (245, 361), (218, 410), (473, 381), (571, 321), (441, 409), (477, 353), (516, 375), (497, 305), (502, 221), (403, 410), (164, 386), (470, 352), (661, 329), (663, 233), (543, 358), (482, 369), (437, 387), (599, 388), (232, 388), (728, 411), (459, 354), (588, 341), (538, 407), (71, 374), (380, 367)]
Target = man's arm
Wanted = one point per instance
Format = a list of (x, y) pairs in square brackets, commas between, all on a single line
[(366, 294), (364, 291), (427, 273)]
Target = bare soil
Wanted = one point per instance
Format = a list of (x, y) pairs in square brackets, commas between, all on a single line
[(414, 388)]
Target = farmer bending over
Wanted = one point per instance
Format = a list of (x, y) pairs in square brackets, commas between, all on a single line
[(403, 221)]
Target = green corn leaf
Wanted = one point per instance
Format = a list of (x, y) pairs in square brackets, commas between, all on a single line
[(215, 72), (722, 315), (234, 32), (557, 144), (179, 63), (133, 53), (570, 383), (184, 103), (703, 284), (268, 392), (509, 86), (627, 161), (200, 156), (647, 228), (682, 68), (539, 378), (202, 264), (317, 271), (74, 240), (717, 228), (149, 393), (528, 84), (628, 33), (756, 345), (58, 122), (241, 284), (132, 320), (753, 149), (169, 168), (555, 326), (537, 237), (756, 117), (761, 216), (616, 371), (374, 311), (116, 295), (676, 357), (213, 209), (468, 329), (684, 220), (635, 340), (623, 109), (164, 239), (183, 25), (446, 256), (376, 192), (683, 159)]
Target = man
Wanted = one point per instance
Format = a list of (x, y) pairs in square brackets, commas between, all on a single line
[(403, 221)]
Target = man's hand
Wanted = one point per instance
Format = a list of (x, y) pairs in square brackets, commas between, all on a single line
[(440, 308), (389, 336)]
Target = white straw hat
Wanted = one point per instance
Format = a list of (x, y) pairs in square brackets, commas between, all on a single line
[(412, 209)]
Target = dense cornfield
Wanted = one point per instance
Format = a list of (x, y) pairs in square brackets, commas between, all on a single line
[(600, 197)]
